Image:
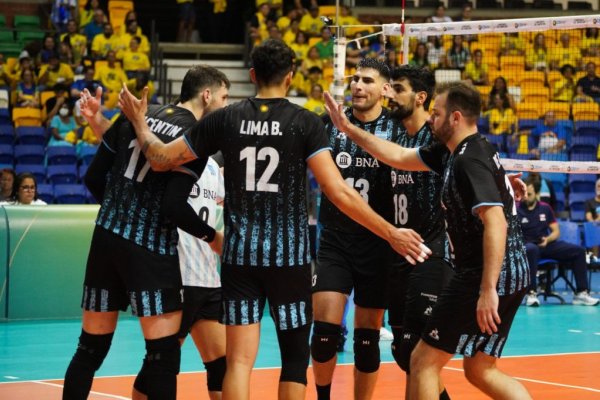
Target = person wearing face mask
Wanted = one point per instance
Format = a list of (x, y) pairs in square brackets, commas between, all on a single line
[(24, 192), (542, 240), (63, 126)]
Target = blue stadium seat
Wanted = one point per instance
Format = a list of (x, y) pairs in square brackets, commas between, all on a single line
[(526, 124), (82, 170), (61, 174), (584, 148), (70, 194), (483, 125), (587, 129), (87, 154), (61, 155), (7, 134), (31, 135), (554, 156), (45, 191), (582, 183), (7, 155), (29, 154), (560, 200), (496, 140), (577, 205), (38, 171)]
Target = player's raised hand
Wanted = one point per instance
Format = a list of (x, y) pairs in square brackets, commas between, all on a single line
[(132, 107), (336, 113), (90, 105), (409, 244)]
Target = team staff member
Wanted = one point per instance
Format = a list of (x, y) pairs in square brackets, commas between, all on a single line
[(267, 143), (475, 310), (133, 255), (416, 198)]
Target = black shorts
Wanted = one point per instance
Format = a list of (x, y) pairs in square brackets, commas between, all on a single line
[(247, 288), (414, 291), (199, 303), (121, 273), (353, 261), (453, 327)]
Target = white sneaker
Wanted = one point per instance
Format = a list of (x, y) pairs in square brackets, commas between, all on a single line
[(531, 300), (584, 299), (384, 334)]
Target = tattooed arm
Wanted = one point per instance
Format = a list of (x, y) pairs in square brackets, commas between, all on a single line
[(161, 156)]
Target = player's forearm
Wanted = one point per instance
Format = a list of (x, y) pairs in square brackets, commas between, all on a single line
[(99, 124), (494, 247), (152, 147)]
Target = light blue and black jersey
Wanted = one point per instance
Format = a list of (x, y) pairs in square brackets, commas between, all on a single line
[(360, 170), (131, 206), (474, 177), (416, 197), (265, 145)]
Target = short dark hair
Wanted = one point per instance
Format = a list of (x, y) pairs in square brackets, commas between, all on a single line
[(462, 97), (272, 60), (534, 179), (200, 77), (377, 65), (420, 79)]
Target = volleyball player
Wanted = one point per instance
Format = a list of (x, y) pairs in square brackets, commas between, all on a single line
[(417, 206), (474, 313), (133, 256), (267, 143), (350, 257)]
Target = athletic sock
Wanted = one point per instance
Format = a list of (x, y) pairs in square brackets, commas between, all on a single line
[(323, 392), (444, 395)]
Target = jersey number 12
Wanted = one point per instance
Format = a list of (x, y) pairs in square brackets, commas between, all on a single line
[(251, 156)]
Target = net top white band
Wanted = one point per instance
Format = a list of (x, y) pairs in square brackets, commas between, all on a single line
[(568, 167)]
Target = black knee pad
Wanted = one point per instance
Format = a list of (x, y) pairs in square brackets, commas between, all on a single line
[(323, 345), (295, 353), (92, 349), (215, 372), (405, 344), (366, 350), (158, 376)]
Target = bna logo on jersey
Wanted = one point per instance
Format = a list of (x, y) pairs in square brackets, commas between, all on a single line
[(343, 160), (195, 193)]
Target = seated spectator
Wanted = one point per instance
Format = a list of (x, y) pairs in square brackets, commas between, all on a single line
[(7, 179), (104, 42), (436, 53), (137, 84), (590, 45), (95, 26), (55, 72), (62, 12), (54, 104), (550, 137), (77, 41), (536, 57), (5, 79), (592, 206), (24, 63), (259, 29), (65, 55), (590, 83), (512, 45), (111, 75), (129, 17), (63, 127), (440, 15), (564, 53), (346, 18), (286, 24), (420, 57), (325, 45), (564, 88), (315, 76), (297, 85), (541, 234), (134, 60), (274, 33), (458, 55), (503, 121), (87, 82), (581, 97), (312, 60), (311, 22), (300, 46), (315, 102), (391, 58), (123, 43), (27, 91), (476, 71), (24, 192), (466, 15), (49, 47), (500, 87), (291, 33), (87, 13)]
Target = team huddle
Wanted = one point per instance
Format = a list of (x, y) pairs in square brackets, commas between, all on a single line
[(418, 217)]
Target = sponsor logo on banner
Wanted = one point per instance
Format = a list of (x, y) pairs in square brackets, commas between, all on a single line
[(541, 23), (593, 168)]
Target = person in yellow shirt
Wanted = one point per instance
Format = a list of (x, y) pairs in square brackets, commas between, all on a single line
[(476, 71), (565, 53), (124, 40), (122, 29), (311, 23), (512, 45), (300, 46), (259, 29), (289, 37), (137, 84), (275, 5), (315, 76), (564, 88), (54, 72), (284, 22), (536, 57), (503, 121), (111, 75), (104, 42), (134, 60), (78, 41), (312, 60), (315, 102), (346, 18), (590, 45)]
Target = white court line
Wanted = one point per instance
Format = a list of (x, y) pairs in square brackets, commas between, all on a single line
[(574, 330), (542, 382), (110, 396)]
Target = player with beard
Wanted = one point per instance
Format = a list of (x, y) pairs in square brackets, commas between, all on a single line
[(475, 310), (349, 256), (416, 198)]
